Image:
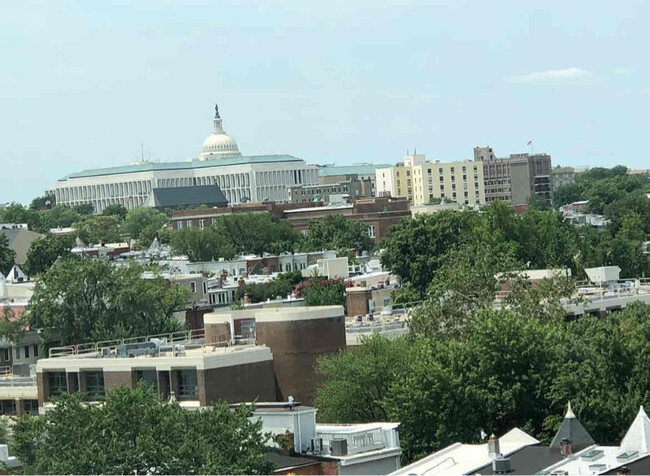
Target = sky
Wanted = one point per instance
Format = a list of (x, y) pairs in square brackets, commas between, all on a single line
[(94, 84)]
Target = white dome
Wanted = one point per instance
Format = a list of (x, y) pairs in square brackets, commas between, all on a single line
[(219, 144)]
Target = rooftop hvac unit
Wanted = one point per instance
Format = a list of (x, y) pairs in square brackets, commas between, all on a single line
[(338, 447), (316, 446), (501, 465)]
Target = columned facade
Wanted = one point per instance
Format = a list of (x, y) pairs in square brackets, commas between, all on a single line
[(240, 178)]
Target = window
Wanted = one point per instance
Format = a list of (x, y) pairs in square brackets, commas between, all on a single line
[(464, 168), (371, 231), (179, 225), (193, 286), (35, 350), (95, 384), (5, 354), (31, 406), (8, 407), (214, 220), (187, 385), (201, 224), (58, 383), (147, 376), (27, 352), (188, 223), (408, 173)]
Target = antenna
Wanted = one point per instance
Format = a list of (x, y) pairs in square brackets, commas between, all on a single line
[(141, 152)]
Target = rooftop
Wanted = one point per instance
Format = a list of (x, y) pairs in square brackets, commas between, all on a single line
[(359, 169), (151, 167)]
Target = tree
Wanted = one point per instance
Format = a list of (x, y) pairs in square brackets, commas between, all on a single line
[(84, 208), (282, 285), (365, 374), (44, 202), (92, 300), (12, 327), (322, 291), (98, 229), (137, 432), (338, 233), (202, 245), (539, 203), (414, 249), (59, 216), (7, 255), (115, 209), (257, 233), (138, 219), (46, 250)]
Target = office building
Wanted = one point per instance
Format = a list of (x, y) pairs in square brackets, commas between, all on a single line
[(421, 181), (240, 178)]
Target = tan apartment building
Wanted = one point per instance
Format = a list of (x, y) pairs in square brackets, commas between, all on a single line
[(421, 181)]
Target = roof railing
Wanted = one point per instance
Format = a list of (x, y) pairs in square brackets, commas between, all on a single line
[(188, 336)]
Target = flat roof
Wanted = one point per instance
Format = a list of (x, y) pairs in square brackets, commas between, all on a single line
[(361, 169), (150, 167)]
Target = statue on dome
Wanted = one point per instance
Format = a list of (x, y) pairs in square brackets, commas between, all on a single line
[(216, 110)]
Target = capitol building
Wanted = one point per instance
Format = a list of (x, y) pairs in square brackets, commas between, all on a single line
[(241, 178)]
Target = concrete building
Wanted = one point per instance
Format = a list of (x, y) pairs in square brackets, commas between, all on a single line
[(496, 174), (561, 176), (420, 181), (181, 365), (516, 178), (240, 178), (362, 172), (296, 336), (338, 192), (370, 448), (530, 176)]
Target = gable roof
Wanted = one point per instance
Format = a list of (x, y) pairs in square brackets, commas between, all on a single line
[(572, 429), (637, 437), (20, 240), (195, 195)]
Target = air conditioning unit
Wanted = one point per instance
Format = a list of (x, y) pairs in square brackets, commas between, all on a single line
[(338, 447), (316, 446), (501, 465)]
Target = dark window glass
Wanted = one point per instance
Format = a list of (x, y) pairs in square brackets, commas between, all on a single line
[(58, 383), (147, 376), (187, 385), (95, 385)]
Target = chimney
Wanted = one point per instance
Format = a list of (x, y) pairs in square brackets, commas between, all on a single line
[(493, 446), (565, 447)]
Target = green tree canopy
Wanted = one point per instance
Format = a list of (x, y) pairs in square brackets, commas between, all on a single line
[(338, 233), (7, 255), (115, 209), (319, 291), (136, 432), (138, 219), (202, 245), (282, 285), (92, 300), (44, 252), (98, 229), (257, 232)]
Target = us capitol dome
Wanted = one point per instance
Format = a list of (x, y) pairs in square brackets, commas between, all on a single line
[(219, 144)]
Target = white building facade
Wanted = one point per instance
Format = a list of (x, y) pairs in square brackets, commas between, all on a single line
[(240, 178)]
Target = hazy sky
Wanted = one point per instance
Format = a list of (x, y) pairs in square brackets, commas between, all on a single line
[(84, 84)]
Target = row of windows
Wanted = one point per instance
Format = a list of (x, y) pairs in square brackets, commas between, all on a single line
[(186, 383), (22, 352)]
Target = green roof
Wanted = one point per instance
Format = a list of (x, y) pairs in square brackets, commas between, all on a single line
[(128, 169), (363, 169)]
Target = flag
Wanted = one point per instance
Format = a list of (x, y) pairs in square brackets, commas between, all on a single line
[(529, 142)]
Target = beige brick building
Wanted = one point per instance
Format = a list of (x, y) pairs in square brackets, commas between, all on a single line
[(421, 181)]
